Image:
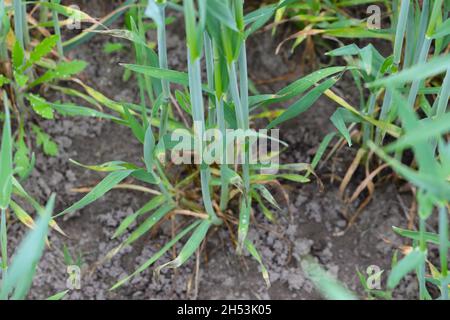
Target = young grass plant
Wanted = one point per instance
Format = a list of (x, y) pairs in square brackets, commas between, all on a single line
[(216, 35)]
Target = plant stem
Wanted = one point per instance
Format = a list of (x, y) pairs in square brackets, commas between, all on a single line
[(209, 57), (3, 33), (422, 28), (423, 248), (195, 89), (367, 128), (3, 243), (400, 32), (57, 31), (444, 96), (162, 54), (26, 35), (245, 113), (416, 84), (242, 116), (18, 22), (224, 192), (43, 13), (443, 250)]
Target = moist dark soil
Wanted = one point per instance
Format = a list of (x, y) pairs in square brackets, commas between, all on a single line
[(315, 224)]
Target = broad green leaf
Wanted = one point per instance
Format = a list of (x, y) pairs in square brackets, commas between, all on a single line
[(41, 50), (43, 140), (21, 156), (63, 70), (40, 106), (4, 80), (145, 176), (357, 32), (18, 56), (21, 79)]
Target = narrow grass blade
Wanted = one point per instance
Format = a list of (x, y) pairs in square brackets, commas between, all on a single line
[(321, 150), (327, 285), (109, 182), (21, 272), (159, 73), (255, 254), (409, 263), (148, 223), (421, 71), (58, 296), (189, 248), (440, 188), (426, 130), (416, 235), (6, 165), (149, 206), (157, 255), (304, 103)]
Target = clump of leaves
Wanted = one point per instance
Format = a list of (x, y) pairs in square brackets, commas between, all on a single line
[(202, 196), (408, 101), (318, 21), (31, 63)]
